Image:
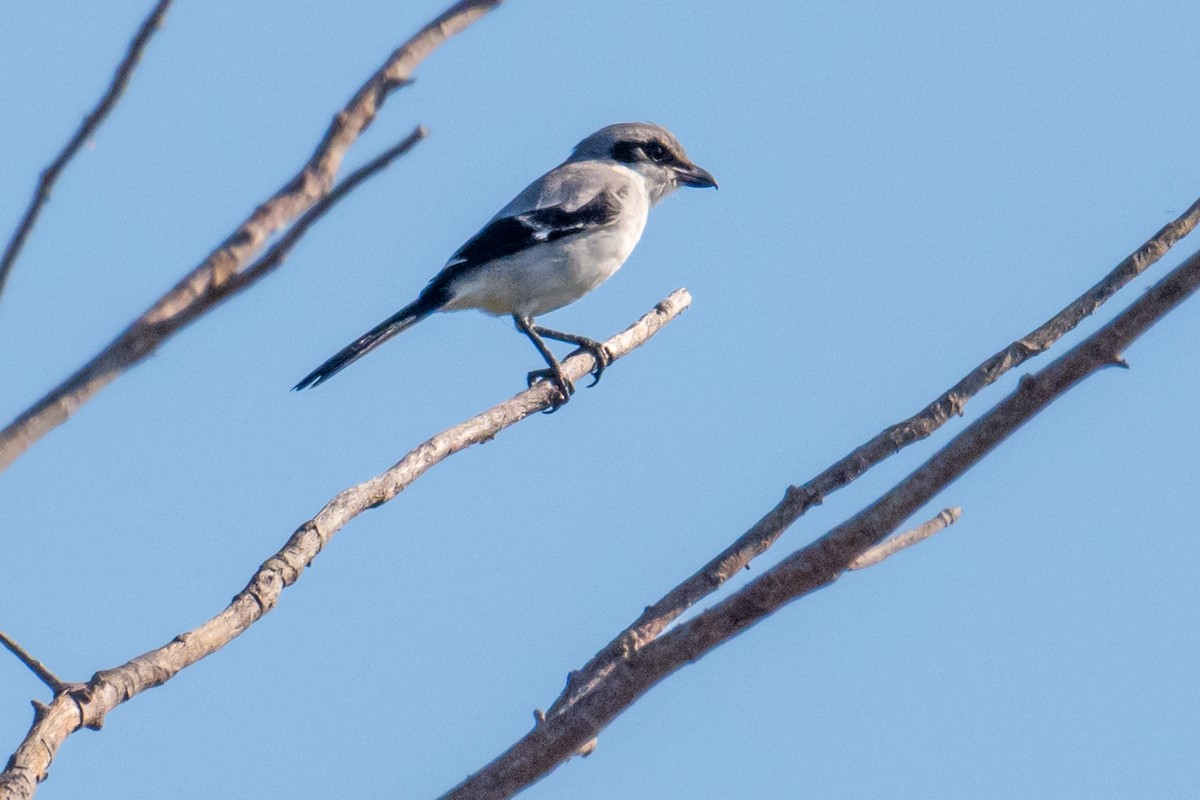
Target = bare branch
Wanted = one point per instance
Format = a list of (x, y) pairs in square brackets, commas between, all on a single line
[(207, 284), (570, 725), (902, 541), (279, 251), (36, 667), (797, 500), (85, 705), (90, 123)]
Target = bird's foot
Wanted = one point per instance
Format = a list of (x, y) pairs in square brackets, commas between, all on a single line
[(562, 385), (601, 355)]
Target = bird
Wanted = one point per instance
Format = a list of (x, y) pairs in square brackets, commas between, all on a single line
[(565, 234)]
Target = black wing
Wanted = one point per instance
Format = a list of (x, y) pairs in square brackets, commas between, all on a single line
[(508, 235)]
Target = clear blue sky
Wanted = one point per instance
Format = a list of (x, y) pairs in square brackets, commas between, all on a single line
[(905, 187)]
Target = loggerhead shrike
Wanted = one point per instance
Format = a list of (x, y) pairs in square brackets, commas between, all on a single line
[(567, 233)]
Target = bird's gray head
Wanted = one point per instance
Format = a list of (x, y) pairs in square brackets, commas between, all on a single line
[(650, 150)]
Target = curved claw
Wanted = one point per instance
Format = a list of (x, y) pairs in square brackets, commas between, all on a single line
[(601, 355)]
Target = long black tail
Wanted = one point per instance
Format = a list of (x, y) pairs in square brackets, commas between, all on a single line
[(402, 320)]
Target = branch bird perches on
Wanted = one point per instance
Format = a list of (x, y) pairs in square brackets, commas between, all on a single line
[(86, 704)]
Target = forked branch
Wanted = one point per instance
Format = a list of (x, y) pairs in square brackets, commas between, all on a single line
[(589, 707), (797, 500), (209, 283), (36, 667), (902, 541)]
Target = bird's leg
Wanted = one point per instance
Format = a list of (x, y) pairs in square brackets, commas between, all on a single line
[(598, 351), (555, 373)]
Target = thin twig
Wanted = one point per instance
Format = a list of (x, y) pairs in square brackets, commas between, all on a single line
[(90, 123), (278, 252), (901, 541), (561, 732), (87, 704), (205, 286), (36, 667), (797, 500)]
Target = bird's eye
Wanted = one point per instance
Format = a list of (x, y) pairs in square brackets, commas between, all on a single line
[(656, 151)]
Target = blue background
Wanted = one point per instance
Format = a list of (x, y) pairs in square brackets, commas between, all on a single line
[(905, 188)]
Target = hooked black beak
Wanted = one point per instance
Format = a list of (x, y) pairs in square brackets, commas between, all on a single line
[(692, 175)]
